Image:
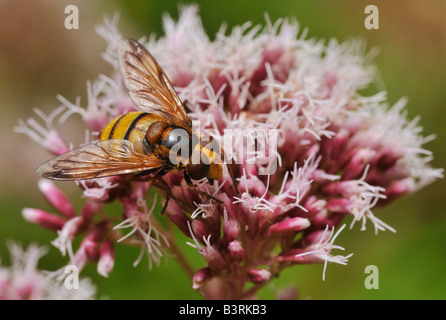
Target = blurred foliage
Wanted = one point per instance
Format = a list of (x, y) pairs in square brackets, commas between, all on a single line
[(39, 59)]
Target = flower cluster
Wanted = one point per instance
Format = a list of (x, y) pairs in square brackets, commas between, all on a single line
[(24, 281), (336, 154)]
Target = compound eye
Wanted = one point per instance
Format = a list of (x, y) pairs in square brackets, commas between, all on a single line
[(198, 171), (175, 136)]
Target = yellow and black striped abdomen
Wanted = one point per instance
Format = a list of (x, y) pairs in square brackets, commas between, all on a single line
[(130, 126)]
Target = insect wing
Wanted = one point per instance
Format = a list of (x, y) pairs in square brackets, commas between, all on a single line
[(95, 160), (147, 83)]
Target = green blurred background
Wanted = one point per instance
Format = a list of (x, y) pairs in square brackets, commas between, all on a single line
[(39, 59)]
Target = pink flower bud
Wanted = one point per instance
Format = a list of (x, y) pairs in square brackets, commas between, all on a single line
[(174, 212), (313, 205), (200, 277), (172, 179), (273, 50), (125, 104), (230, 230), (271, 54), (314, 149), (91, 249), (91, 208), (339, 204), (320, 176), (228, 204), (218, 81), (27, 290), (357, 164), (80, 258), (54, 143), (320, 219), (56, 198), (200, 231), (255, 186), (342, 188), (284, 65), (388, 159), (315, 237), (178, 193), (289, 255), (234, 99), (258, 276), (106, 259), (331, 78), (130, 207), (214, 258), (73, 227), (96, 120), (236, 251), (182, 78), (140, 189), (47, 220), (289, 225), (306, 257), (400, 187), (99, 230), (337, 146)]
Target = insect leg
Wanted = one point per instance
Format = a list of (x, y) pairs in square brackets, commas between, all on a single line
[(158, 182), (234, 181), (193, 188), (161, 184)]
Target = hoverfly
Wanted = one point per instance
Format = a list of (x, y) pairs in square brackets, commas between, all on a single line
[(139, 143)]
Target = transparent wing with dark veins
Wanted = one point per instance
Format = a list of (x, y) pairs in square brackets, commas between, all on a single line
[(147, 83), (101, 159)]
